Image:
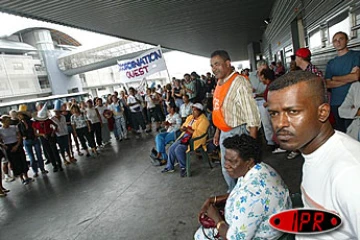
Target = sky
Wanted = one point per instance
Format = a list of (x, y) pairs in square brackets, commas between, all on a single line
[(177, 62)]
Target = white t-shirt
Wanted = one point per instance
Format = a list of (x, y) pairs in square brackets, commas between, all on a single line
[(331, 177), (62, 129), (135, 108), (149, 101), (117, 109), (101, 112), (91, 115)]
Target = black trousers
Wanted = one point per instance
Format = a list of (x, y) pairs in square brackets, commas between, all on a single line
[(138, 119), (83, 135), (96, 130), (51, 151)]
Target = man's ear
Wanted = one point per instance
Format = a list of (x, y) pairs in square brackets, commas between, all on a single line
[(324, 112), (228, 63)]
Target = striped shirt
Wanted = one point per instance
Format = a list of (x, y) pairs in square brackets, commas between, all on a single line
[(239, 106)]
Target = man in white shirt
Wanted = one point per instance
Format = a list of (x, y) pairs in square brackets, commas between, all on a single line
[(299, 113), (134, 104)]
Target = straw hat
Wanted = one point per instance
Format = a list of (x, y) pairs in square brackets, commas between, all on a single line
[(42, 115), (23, 110)]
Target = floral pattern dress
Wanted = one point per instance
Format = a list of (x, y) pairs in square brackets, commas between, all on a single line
[(256, 196)]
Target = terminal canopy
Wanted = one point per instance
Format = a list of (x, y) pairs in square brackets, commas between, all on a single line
[(197, 27)]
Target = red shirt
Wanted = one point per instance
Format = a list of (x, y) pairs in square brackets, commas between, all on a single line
[(43, 126)]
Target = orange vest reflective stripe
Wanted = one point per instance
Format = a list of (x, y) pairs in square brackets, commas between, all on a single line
[(219, 96)]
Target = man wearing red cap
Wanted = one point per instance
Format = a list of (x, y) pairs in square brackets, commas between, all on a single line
[(303, 61)]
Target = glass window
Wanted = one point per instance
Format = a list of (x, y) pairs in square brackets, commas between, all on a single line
[(315, 39), (340, 23), (44, 82)]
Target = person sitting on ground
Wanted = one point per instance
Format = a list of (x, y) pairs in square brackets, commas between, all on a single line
[(11, 142), (172, 124), (195, 126), (246, 214)]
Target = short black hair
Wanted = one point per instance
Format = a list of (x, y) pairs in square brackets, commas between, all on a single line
[(343, 33), (131, 89), (268, 74), (315, 83), (221, 53), (186, 75), (246, 146)]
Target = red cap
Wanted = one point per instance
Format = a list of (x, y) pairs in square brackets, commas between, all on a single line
[(303, 53)]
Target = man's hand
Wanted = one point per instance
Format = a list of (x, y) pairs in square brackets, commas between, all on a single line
[(183, 128), (358, 112), (357, 71), (216, 137)]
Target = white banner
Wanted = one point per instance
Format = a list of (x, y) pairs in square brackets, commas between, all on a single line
[(138, 68)]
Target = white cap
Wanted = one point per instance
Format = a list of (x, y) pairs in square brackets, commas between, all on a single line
[(198, 106)]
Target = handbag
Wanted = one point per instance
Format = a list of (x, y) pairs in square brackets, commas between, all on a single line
[(207, 222)]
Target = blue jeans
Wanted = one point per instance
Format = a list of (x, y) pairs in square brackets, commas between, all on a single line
[(29, 144), (120, 130), (177, 151), (231, 182), (161, 140)]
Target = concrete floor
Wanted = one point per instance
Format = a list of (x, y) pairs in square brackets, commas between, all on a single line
[(118, 195)]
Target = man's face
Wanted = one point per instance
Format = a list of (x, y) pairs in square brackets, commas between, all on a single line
[(297, 60), (220, 68), (339, 42), (260, 68), (294, 116), (187, 78)]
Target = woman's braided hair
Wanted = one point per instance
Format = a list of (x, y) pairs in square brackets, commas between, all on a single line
[(246, 146)]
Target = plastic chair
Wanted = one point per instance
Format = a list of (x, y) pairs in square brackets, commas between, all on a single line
[(200, 150)]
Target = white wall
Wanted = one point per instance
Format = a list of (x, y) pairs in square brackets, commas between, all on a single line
[(17, 76)]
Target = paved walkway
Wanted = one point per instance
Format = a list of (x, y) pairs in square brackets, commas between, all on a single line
[(118, 195)]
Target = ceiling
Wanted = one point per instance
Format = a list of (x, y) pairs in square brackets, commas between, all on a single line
[(197, 26)]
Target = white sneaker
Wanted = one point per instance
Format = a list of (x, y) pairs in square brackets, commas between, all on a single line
[(278, 150), (292, 155), (9, 179)]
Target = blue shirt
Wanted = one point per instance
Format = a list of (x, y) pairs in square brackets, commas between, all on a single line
[(339, 66)]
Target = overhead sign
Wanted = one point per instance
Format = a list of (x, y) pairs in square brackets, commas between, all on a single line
[(146, 64)]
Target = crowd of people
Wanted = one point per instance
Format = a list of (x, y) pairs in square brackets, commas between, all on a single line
[(292, 107)]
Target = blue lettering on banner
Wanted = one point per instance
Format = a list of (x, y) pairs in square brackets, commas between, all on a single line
[(140, 62)]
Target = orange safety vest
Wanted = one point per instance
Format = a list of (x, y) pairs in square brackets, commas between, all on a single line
[(218, 100)]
